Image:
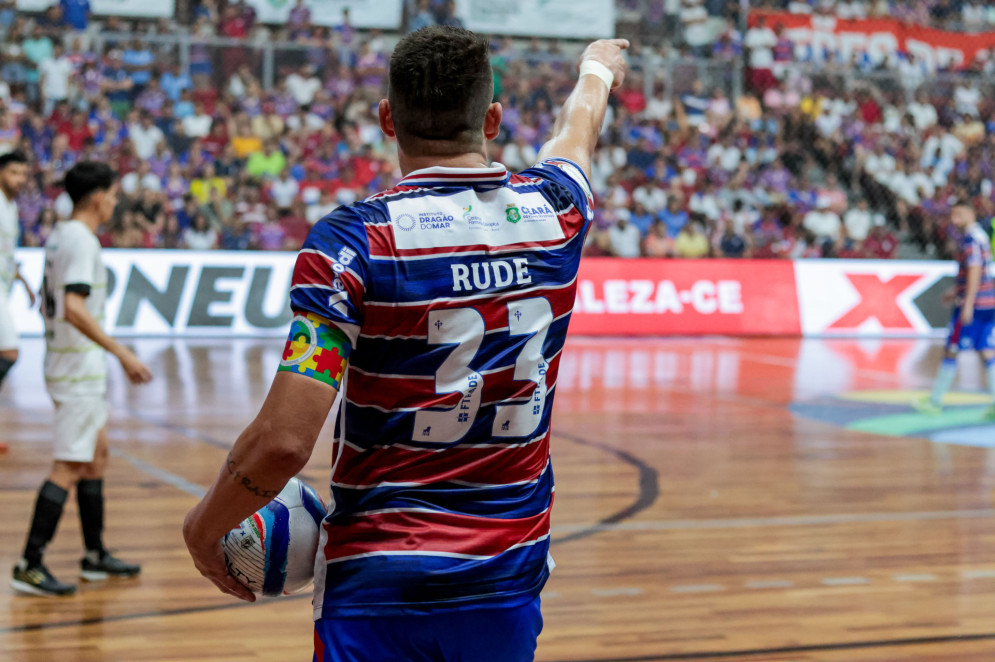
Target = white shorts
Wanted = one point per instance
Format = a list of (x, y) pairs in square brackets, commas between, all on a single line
[(8, 332), (78, 421)]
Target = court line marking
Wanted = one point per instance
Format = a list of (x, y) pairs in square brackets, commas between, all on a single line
[(792, 520), (790, 650), (925, 577), (697, 588), (773, 583), (95, 620), (845, 581), (977, 574), (160, 474), (649, 492)]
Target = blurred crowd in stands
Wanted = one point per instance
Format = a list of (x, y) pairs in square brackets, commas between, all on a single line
[(795, 166)]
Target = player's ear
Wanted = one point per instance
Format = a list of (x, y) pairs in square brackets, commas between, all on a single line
[(492, 121), (386, 119)]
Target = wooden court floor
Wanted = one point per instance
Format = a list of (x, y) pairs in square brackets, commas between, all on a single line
[(717, 499)]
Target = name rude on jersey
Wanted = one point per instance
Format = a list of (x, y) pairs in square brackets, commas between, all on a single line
[(493, 273)]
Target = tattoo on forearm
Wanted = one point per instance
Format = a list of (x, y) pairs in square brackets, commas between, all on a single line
[(246, 482)]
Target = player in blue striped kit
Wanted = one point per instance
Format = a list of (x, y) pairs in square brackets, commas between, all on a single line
[(973, 325), (448, 297)]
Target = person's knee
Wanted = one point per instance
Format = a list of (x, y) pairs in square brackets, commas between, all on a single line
[(67, 474), (9, 355)]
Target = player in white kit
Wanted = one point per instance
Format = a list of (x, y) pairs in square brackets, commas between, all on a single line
[(74, 291), (13, 175)]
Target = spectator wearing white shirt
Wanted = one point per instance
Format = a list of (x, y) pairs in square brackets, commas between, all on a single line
[(519, 155), (851, 9), (142, 178), (326, 205), (694, 24), (199, 124), (658, 107), (303, 85), (973, 15), (200, 236), (880, 165), (824, 223), (760, 41), (923, 113), (858, 221), (55, 74), (145, 136), (966, 98), (724, 155), (706, 203), (650, 196), (284, 190), (624, 238)]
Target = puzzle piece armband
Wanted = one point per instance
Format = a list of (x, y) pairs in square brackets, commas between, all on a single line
[(316, 348)]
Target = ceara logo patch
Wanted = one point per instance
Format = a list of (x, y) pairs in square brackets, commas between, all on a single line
[(513, 214)]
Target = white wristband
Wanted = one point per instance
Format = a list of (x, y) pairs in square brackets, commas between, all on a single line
[(599, 70)]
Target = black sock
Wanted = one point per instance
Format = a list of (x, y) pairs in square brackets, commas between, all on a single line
[(5, 366), (48, 510), (90, 497)]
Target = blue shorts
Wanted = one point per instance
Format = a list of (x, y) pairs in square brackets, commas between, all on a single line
[(979, 335), (477, 635)]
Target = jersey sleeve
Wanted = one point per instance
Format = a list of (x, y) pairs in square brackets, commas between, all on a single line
[(330, 275), (974, 254), (82, 259), (570, 179)]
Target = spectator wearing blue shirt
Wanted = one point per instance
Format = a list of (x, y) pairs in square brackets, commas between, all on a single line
[(673, 216), (117, 85), (174, 81), (731, 243), (695, 103), (138, 61), (422, 17), (641, 218), (184, 106), (76, 13)]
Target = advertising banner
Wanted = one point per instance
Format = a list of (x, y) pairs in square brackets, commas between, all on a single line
[(678, 297), (873, 298), (565, 19), (879, 38), (181, 293), (382, 14), (138, 8), (219, 293)]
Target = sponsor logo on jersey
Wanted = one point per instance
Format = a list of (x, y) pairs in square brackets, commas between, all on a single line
[(406, 222), (466, 219), (435, 221)]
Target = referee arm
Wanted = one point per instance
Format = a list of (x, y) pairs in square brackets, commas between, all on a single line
[(577, 127)]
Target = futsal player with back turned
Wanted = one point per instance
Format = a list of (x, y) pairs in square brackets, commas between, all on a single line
[(438, 309)]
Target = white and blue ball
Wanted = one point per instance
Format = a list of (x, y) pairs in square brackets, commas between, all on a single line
[(272, 552)]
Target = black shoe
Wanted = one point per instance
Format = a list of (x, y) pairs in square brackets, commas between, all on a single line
[(96, 566), (38, 580)]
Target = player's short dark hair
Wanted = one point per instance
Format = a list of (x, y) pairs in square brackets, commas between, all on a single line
[(87, 177), (441, 85), (17, 156)]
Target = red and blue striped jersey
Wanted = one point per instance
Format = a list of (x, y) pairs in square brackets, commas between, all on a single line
[(456, 289), (974, 250)]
